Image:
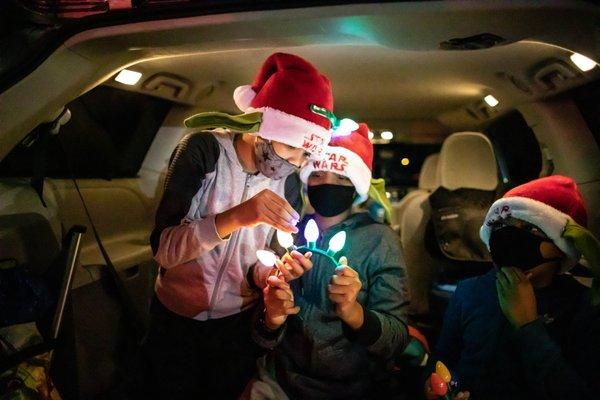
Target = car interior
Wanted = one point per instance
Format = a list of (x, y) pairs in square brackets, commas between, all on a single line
[(464, 100)]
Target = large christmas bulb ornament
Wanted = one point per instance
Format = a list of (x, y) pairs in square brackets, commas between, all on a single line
[(443, 372), (285, 240), (266, 257), (438, 386), (311, 233), (336, 243)]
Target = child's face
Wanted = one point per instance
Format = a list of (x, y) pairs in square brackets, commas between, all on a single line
[(331, 178), (294, 155)]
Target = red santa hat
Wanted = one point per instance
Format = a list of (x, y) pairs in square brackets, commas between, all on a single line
[(286, 91), (550, 203), (351, 156), (289, 102)]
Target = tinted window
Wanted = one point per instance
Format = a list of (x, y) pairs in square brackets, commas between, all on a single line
[(517, 149), (108, 136), (388, 164), (587, 99)]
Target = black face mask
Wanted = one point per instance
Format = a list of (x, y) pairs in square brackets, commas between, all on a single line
[(329, 200), (515, 247)]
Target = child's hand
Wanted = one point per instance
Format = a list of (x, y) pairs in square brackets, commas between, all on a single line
[(279, 302), (293, 265), (516, 297), (343, 291), (267, 207)]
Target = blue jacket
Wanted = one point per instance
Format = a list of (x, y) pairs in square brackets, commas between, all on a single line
[(555, 357)]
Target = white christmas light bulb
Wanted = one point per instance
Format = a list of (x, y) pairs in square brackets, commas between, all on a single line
[(336, 243), (285, 239), (311, 231), (266, 257)]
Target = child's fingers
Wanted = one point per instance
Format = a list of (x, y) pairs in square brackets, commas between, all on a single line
[(284, 270), (344, 270), (291, 311), (302, 260), (342, 280), (337, 298), (337, 289)]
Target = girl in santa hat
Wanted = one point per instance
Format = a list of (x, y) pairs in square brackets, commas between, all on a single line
[(225, 191)]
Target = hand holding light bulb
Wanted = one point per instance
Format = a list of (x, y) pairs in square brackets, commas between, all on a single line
[(279, 302), (293, 264), (343, 292)]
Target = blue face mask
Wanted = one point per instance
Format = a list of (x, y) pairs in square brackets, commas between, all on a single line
[(269, 163)]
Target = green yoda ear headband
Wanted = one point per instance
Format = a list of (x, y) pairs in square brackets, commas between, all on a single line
[(589, 247), (377, 194), (247, 123)]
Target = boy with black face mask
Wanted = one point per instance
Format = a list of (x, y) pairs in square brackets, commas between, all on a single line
[(335, 330), (527, 329)]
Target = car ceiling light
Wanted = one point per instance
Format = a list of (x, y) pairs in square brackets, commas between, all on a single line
[(491, 100), (582, 62), (128, 77), (387, 135)]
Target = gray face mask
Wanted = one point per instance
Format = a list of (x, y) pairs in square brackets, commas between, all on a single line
[(269, 163)]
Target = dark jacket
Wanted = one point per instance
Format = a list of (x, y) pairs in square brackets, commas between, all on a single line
[(318, 356), (555, 357)]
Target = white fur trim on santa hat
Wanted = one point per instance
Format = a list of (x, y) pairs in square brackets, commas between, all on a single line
[(292, 130), (550, 220), (342, 161), (243, 96)]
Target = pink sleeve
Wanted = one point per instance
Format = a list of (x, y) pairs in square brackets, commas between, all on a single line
[(187, 241)]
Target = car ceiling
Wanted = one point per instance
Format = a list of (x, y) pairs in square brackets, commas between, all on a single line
[(383, 59), (371, 82)]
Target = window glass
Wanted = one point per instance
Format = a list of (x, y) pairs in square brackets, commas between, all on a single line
[(587, 99), (399, 164), (108, 136), (517, 149)]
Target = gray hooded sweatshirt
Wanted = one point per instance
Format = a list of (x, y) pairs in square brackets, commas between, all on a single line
[(316, 354)]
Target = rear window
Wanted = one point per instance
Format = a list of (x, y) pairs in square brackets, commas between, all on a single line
[(587, 99), (517, 149), (108, 136), (399, 164)]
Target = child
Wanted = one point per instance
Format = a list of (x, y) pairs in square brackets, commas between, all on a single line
[(350, 319), (224, 193), (527, 330)]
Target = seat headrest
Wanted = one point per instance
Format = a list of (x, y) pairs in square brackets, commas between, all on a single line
[(467, 161), (429, 178)]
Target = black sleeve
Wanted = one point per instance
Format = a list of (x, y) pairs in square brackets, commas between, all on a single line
[(195, 156), (293, 192)]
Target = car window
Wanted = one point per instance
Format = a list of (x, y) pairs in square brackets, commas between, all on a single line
[(399, 164), (108, 136), (517, 149), (587, 99)]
